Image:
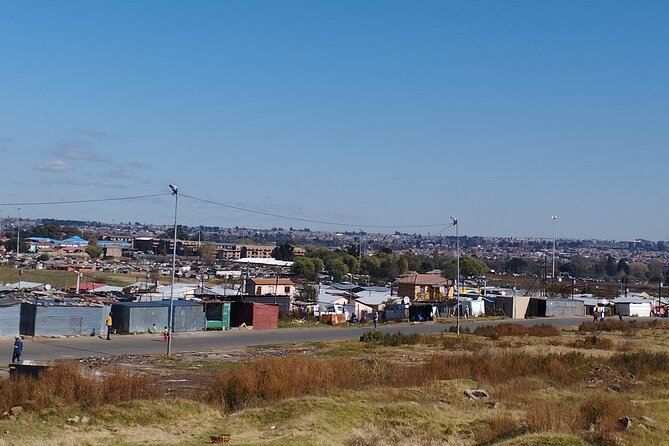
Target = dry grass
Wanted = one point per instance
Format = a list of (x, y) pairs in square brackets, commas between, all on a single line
[(548, 393), (270, 379), (632, 326), (65, 385), (593, 342)]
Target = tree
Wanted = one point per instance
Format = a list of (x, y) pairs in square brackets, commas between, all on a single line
[(208, 252), (285, 251), (182, 234), (338, 269), (577, 267), (623, 268), (305, 268), (472, 266), (517, 265), (413, 263), (655, 270), (611, 267), (353, 250), (94, 251), (638, 270), (10, 245), (308, 293), (49, 229)]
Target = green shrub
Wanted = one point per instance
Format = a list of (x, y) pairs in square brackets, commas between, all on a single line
[(507, 329), (391, 339)]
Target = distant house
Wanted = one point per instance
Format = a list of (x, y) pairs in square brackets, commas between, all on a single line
[(34, 244), (113, 248), (428, 287), (228, 251), (257, 251), (273, 286), (86, 286), (73, 244)]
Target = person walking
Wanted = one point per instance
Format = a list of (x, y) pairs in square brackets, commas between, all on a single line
[(108, 323), (18, 349), (375, 319), (166, 334)]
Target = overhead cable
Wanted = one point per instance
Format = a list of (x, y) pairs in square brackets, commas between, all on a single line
[(93, 200), (308, 220)]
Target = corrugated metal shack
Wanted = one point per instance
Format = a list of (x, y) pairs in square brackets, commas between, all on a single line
[(259, 316), (217, 315), (515, 307), (138, 317), (64, 317), (396, 312), (540, 307), (10, 316)]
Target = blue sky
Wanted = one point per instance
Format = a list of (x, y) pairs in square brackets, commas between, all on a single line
[(365, 113)]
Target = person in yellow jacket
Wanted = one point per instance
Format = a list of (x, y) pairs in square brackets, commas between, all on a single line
[(108, 323)]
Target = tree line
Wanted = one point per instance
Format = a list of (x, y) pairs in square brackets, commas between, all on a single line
[(384, 266)]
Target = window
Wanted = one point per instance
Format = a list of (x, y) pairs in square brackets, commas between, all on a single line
[(258, 291), (286, 290)]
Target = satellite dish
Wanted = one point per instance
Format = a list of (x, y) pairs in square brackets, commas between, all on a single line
[(47, 286), (406, 299)]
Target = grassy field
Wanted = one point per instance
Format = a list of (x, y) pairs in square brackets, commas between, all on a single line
[(65, 279), (598, 384)]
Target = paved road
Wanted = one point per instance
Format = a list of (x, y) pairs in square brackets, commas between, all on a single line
[(42, 349)]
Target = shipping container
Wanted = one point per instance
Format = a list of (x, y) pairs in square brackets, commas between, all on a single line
[(139, 317), (540, 307), (10, 316), (64, 318)]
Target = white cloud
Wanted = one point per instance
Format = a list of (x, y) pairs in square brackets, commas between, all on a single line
[(91, 132), (119, 173), (77, 149), (54, 166)]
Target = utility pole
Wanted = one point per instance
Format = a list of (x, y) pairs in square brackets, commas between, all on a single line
[(457, 284), (18, 235), (553, 217), (170, 322)]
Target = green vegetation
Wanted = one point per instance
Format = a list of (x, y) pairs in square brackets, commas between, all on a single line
[(392, 339), (507, 329)]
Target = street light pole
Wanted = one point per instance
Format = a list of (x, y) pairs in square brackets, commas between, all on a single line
[(457, 284), (18, 235), (553, 217), (170, 322)]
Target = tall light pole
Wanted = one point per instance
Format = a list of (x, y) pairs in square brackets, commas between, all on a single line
[(457, 283), (170, 322), (18, 235), (553, 217)]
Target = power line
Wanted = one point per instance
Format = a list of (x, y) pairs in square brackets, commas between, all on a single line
[(308, 220), (228, 206), (93, 200)]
